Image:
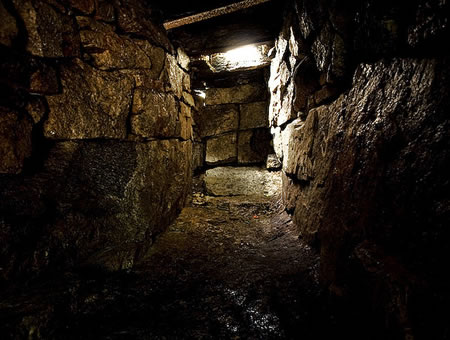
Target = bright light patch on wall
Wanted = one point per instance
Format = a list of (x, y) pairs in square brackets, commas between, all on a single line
[(244, 56), (241, 58), (200, 93)]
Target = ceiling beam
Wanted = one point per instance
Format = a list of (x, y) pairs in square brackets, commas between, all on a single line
[(212, 13)]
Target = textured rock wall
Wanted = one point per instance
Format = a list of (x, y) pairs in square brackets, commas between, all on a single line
[(359, 113), (232, 125), (95, 133)]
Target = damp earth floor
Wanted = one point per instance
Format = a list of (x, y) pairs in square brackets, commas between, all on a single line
[(229, 267)]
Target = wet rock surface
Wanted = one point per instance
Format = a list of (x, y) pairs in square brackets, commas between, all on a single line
[(226, 268), (352, 113), (95, 134), (237, 181)]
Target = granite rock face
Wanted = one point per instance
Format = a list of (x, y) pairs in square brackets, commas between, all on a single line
[(221, 149), (360, 125), (108, 199), (154, 114), (254, 146), (235, 95), (253, 115), (109, 51), (8, 27), (49, 33), (217, 119), (96, 117), (97, 109), (15, 140)]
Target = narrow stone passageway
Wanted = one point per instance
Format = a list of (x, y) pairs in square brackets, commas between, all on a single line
[(229, 169), (228, 267)]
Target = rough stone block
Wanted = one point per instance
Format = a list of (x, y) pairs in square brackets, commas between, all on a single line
[(111, 51), (321, 48), (154, 114), (93, 104), (105, 11), (50, 34), (111, 198), (85, 6), (188, 98), (133, 16), (183, 59), (185, 122), (15, 141), (239, 94), (175, 75), (198, 155), (253, 115), (44, 80), (36, 108), (217, 119), (221, 149), (8, 27), (254, 146)]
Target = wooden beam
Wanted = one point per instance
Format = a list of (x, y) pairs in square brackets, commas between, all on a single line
[(212, 13)]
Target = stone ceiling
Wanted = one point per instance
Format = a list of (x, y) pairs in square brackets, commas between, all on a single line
[(252, 25)]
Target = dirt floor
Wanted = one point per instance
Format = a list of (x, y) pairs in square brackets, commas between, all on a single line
[(227, 268)]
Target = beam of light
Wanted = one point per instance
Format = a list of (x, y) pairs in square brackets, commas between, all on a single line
[(244, 56)]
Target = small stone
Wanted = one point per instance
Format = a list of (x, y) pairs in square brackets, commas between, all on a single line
[(272, 162)]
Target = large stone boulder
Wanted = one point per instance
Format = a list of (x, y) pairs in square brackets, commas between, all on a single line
[(107, 199)]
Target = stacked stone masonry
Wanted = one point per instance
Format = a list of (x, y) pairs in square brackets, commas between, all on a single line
[(95, 133), (232, 125), (358, 110)]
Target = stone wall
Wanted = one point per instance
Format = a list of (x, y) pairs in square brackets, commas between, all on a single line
[(359, 113), (231, 124), (95, 134)]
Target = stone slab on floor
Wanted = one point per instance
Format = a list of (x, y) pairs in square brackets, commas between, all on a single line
[(247, 181)]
